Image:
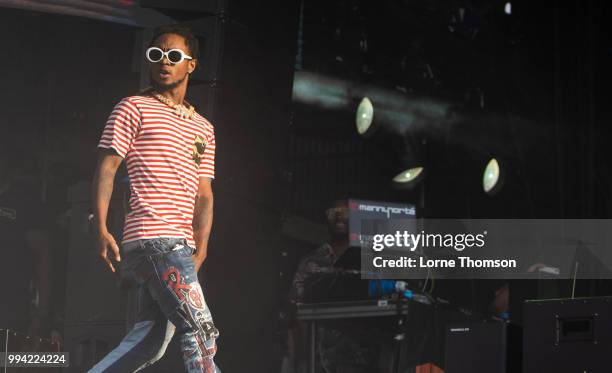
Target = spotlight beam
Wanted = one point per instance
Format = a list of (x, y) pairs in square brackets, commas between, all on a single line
[(397, 111)]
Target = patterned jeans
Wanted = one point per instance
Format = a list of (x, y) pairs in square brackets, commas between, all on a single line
[(170, 301)]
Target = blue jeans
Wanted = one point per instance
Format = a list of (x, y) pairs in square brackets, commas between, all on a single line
[(170, 301)]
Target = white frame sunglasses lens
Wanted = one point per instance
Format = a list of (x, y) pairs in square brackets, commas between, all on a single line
[(163, 54)]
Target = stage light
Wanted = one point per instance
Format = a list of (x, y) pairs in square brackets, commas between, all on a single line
[(365, 118), (408, 178), (492, 177), (508, 8)]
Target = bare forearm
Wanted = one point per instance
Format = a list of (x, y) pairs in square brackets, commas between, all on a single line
[(102, 192), (202, 224)]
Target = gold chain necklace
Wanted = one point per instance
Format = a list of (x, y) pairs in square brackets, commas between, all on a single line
[(181, 110)]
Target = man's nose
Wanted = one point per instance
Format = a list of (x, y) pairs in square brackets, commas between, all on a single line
[(165, 60)]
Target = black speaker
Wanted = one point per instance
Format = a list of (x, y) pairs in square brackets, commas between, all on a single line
[(483, 347), (568, 335)]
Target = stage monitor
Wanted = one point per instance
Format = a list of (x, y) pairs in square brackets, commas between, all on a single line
[(367, 218)]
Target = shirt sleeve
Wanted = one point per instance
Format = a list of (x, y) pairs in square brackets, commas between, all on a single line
[(121, 128), (207, 164)]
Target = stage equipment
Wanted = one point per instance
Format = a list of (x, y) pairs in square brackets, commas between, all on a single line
[(381, 288), (492, 178), (367, 218), (402, 144), (312, 313), (407, 179), (131, 13), (364, 120), (483, 347), (395, 110), (568, 335), (364, 308)]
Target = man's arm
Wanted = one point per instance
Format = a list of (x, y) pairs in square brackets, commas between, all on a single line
[(102, 189), (202, 220)]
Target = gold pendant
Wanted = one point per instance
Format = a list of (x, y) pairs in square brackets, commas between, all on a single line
[(183, 112)]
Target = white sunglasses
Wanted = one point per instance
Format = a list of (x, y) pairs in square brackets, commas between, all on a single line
[(175, 56)]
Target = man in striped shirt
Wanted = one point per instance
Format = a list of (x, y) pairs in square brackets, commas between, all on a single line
[(169, 152)]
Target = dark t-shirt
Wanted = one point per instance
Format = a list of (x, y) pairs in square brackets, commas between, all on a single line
[(20, 211)]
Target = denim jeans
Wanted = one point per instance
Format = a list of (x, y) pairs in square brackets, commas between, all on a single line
[(169, 301)]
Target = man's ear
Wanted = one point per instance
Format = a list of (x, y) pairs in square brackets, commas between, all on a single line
[(192, 65)]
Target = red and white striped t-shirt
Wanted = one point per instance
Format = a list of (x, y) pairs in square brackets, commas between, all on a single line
[(162, 162)]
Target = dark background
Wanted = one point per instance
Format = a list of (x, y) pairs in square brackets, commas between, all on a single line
[(542, 73), (544, 78)]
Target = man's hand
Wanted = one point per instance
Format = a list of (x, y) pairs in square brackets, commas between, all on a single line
[(106, 246), (198, 258)]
